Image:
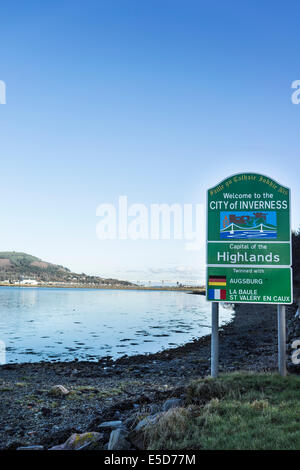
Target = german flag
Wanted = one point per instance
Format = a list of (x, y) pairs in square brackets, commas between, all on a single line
[(217, 281), (217, 288)]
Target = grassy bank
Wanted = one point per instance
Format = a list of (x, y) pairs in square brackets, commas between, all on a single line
[(236, 411)]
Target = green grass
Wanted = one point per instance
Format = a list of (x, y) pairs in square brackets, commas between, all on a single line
[(86, 392), (235, 411)]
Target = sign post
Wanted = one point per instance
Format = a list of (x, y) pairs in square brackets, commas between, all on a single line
[(249, 249), (281, 340), (214, 339)]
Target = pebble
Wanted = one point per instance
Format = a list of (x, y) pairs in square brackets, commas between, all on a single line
[(58, 390)]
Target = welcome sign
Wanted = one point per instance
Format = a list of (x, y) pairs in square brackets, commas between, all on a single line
[(249, 241)]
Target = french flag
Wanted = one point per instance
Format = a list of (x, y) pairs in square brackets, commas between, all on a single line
[(217, 294)]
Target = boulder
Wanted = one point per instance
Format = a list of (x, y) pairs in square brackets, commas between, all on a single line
[(171, 403), (110, 425), (137, 436), (118, 441), (151, 419), (80, 441)]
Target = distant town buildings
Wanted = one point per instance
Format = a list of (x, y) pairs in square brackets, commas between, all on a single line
[(29, 282)]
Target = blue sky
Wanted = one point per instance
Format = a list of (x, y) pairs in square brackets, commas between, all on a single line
[(156, 100)]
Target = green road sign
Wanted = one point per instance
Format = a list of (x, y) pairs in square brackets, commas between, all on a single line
[(249, 241), (275, 254), (249, 285)]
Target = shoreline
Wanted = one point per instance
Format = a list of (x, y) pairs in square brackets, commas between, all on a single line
[(195, 290), (122, 388)]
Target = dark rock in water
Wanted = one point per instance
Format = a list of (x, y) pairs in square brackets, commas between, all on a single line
[(118, 441), (30, 448), (171, 403)]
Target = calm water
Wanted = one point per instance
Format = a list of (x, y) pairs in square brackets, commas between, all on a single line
[(248, 234), (64, 324)]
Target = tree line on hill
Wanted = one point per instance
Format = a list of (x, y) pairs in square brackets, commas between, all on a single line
[(15, 266)]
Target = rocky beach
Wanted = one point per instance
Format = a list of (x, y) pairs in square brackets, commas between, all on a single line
[(106, 405)]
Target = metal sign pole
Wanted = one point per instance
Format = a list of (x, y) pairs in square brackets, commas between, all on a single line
[(214, 339), (281, 339)]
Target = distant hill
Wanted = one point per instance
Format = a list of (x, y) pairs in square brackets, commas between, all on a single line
[(16, 266)]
